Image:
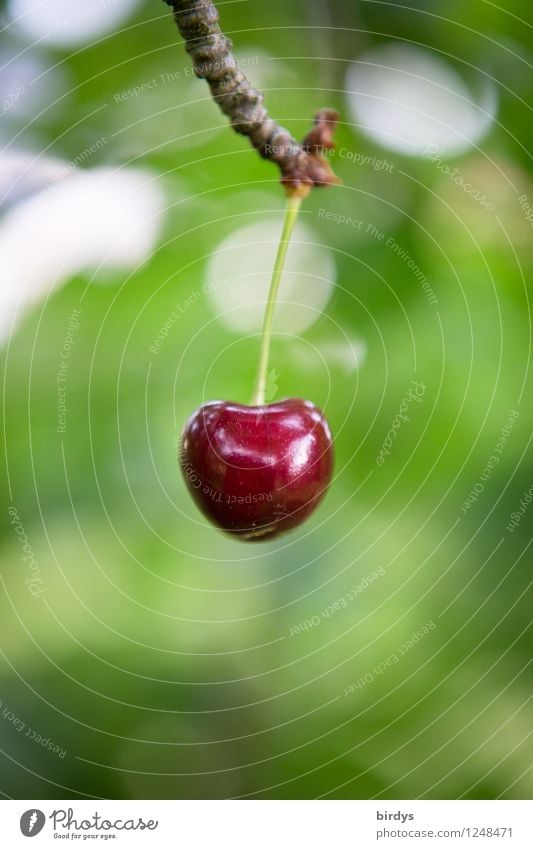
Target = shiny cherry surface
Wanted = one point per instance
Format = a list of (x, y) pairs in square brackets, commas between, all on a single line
[(256, 472)]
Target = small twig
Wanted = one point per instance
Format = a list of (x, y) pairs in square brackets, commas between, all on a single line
[(302, 165)]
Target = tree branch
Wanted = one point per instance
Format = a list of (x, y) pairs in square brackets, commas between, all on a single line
[(302, 166)]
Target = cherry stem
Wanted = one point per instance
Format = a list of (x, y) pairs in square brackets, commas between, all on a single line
[(291, 216)]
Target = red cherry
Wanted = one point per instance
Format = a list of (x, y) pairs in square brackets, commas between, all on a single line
[(257, 472)]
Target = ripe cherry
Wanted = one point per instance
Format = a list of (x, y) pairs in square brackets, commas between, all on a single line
[(260, 470), (257, 471)]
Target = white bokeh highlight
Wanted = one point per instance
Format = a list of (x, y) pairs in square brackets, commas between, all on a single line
[(408, 100), (23, 173), (28, 88), (240, 270), (82, 221), (68, 23), (346, 353)]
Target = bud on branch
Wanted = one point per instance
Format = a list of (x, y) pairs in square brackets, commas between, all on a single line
[(302, 166)]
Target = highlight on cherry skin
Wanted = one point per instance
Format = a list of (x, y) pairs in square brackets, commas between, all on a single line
[(257, 471)]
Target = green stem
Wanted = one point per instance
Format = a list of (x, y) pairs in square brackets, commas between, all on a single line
[(291, 215)]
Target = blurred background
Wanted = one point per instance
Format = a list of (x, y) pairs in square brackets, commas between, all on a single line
[(382, 650)]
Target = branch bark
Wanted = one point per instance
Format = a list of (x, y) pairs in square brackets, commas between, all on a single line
[(302, 165)]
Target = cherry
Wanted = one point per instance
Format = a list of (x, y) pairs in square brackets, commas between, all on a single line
[(257, 471)]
